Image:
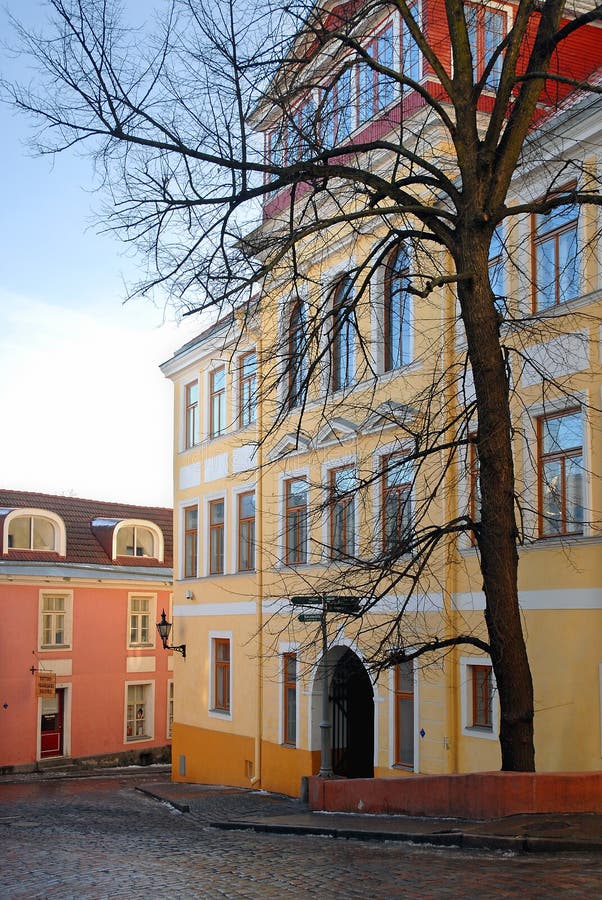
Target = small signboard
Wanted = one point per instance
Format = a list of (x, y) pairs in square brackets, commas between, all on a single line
[(46, 684), (310, 617)]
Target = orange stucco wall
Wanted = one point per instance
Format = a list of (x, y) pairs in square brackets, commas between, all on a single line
[(93, 670)]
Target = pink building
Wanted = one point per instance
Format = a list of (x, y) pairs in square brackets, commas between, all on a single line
[(82, 669)]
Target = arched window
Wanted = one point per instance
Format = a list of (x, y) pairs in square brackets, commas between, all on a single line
[(342, 350), (397, 311), (138, 538), (297, 356), (32, 529)]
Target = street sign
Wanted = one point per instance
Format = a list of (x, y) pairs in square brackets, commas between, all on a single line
[(310, 617), (307, 600)]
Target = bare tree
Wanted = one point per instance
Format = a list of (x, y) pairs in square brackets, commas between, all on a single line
[(172, 121)]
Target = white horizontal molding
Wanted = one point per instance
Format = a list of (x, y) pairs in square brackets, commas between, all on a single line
[(565, 355), (571, 598), (417, 603), (194, 610), (141, 664), (244, 458)]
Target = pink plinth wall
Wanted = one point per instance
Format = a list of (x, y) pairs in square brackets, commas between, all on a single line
[(480, 795)]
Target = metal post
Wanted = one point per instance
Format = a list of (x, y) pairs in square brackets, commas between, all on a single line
[(325, 726)]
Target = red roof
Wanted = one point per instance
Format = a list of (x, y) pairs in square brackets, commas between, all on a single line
[(78, 515)]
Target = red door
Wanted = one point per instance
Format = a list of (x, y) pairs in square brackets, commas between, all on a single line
[(51, 725)]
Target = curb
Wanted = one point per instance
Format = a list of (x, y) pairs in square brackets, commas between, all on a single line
[(460, 839)]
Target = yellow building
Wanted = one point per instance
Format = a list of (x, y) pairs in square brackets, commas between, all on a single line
[(283, 490)]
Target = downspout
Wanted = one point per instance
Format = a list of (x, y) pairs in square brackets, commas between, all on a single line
[(256, 777), (450, 585)]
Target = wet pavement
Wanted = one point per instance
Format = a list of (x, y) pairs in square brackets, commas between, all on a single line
[(121, 835)]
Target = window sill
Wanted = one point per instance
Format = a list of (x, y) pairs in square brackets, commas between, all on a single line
[(140, 647), (479, 731), (287, 746), (138, 737), (47, 647)]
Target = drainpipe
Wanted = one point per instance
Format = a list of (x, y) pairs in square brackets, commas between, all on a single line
[(256, 777)]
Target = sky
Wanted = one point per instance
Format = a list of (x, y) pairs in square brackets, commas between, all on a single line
[(84, 408)]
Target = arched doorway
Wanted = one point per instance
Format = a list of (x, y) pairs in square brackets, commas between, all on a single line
[(352, 717)]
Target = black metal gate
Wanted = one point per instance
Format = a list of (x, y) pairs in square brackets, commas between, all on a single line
[(352, 709)]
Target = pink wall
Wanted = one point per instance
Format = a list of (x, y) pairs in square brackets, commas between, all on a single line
[(96, 706)]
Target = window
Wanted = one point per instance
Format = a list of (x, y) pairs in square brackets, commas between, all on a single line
[(296, 521), (342, 512), (486, 30), (397, 311), (482, 696), (191, 538), (138, 712), (192, 414), (342, 351), (55, 616), (32, 533), (375, 89), (496, 270), (555, 257), (216, 537), (139, 613), (396, 503), (410, 54), (135, 540), (404, 714), (297, 356), (246, 531), (474, 484), (221, 674), (217, 402), (247, 386), (289, 712), (169, 708), (337, 110), (560, 442)]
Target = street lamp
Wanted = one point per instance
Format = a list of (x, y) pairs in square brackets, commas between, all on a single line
[(164, 628)]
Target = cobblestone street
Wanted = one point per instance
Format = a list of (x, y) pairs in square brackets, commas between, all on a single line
[(100, 837)]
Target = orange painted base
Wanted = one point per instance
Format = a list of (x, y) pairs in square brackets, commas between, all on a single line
[(482, 795), (203, 756)]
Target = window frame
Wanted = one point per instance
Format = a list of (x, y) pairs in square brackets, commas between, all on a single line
[(155, 531), (467, 699), (404, 487), (67, 614), (296, 359), (150, 613), (289, 688), (374, 91), (400, 695), (216, 532), (342, 337), (478, 45), (192, 425), (170, 708), (301, 523), (561, 455), (540, 236), (190, 556), (217, 403), (482, 697), (149, 712), (403, 314), (221, 675), (347, 501), (249, 540), (247, 390), (58, 528)]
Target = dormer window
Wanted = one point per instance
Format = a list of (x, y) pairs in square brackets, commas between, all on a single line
[(138, 538), (37, 530)]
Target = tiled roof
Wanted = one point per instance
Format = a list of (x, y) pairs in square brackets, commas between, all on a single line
[(78, 514)]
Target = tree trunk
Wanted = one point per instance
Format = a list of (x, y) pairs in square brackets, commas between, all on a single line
[(498, 532)]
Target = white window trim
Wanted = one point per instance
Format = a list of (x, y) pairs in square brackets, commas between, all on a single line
[(288, 647), (182, 506), (327, 468), (68, 645), (399, 447), (152, 616), (150, 716), (140, 523), (24, 512), (530, 466), (185, 383), (205, 392), (236, 398), (232, 538), (392, 734), (283, 477), (168, 730), (203, 562), (211, 711), (468, 729)]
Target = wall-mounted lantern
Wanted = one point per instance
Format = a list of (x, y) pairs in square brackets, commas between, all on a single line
[(164, 628)]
